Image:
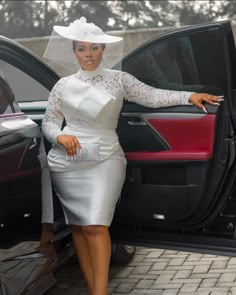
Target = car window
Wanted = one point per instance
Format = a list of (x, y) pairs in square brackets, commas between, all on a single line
[(191, 63), (8, 104), (23, 86)]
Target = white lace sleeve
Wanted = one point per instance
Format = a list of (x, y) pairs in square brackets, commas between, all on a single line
[(143, 94), (53, 118)]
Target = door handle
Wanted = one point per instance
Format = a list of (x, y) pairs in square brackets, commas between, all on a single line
[(33, 144), (139, 123)]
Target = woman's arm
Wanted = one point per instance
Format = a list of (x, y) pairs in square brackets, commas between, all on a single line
[(143, 94), (53, 118)]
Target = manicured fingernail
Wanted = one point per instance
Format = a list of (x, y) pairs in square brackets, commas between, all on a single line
[(205, 110), (216, 103), (220, 99)]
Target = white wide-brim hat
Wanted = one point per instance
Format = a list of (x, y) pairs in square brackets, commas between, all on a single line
[(60, 49), (80, 30)]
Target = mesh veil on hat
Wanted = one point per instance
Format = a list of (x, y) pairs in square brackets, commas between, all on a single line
[(60, 49)]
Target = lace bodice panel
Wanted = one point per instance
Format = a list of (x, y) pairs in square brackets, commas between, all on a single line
[(53, 118), (119, 84)]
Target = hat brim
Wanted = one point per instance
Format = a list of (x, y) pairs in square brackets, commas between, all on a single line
[(91, 38)]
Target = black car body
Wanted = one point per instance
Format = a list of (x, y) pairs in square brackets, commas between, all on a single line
[(180, 186)]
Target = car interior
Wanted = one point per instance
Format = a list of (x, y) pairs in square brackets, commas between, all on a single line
[(172, 152)]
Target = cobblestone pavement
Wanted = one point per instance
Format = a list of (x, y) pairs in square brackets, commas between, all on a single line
[(158, 272)]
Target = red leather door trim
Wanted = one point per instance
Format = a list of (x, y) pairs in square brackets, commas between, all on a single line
[(189, 139), (167, 156)]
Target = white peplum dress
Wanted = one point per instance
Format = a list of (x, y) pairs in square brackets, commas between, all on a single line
[(90, 102)]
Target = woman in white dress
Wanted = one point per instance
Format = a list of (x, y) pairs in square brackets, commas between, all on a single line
[(86, 161)]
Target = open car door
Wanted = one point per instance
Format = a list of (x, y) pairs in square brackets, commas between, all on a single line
[(20, 184), (179, 190), (23, 269)]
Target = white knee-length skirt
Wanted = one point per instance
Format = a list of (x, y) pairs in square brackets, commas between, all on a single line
[(90, 193)]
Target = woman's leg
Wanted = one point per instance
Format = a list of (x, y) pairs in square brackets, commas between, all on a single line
[(81, 250), (47, 235), (99, 245)]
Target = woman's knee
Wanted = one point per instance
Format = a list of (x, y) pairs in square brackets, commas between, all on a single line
[(76, 229), (94, 230)]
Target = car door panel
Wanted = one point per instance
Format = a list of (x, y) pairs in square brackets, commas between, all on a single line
[(11, 155), (137, 135), (19, 137), (179, 187), (19, 158), (189, 137), (19, 141), (167, 189), (173, 196)]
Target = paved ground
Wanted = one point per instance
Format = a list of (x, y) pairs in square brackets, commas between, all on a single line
[(159, 272)]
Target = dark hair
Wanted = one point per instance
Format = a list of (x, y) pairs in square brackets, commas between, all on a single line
[(74, 45)]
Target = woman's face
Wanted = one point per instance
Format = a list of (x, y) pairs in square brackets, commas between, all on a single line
[(89, 55)]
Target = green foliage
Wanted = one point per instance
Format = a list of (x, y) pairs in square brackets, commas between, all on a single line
[(36, 18)]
